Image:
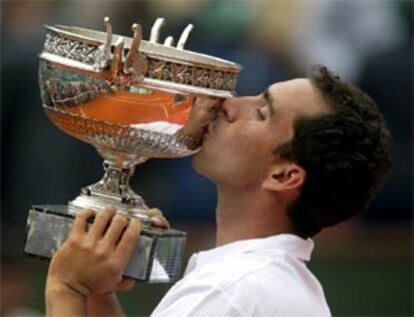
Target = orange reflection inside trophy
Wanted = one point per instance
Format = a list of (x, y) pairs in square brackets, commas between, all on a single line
[(130, 108)]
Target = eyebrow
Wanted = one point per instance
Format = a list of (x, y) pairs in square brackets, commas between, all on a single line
[(269, 100)]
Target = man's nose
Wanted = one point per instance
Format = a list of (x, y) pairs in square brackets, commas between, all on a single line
[(230, 108)]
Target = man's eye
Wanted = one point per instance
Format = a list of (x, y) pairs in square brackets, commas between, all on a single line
[(260, 115)]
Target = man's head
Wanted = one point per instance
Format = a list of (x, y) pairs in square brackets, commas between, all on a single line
[(319, 144)]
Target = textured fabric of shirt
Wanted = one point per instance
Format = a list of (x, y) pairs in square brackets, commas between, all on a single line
[(256, 277)]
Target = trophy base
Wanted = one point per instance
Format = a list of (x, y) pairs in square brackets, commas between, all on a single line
[(98, 203), (156, 258)]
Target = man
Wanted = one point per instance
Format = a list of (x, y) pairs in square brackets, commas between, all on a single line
[(303, 155)]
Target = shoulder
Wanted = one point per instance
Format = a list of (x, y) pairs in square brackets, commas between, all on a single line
[(261, 285), (230, 271), (245, 285), (210, 288)]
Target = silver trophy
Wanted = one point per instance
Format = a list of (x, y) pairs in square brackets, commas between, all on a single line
[(129, 98)]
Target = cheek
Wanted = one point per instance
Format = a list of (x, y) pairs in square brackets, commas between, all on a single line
[(239, 150), (240, 156), (243, 143)]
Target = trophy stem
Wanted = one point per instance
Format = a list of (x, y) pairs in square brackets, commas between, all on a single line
[(112, 190)]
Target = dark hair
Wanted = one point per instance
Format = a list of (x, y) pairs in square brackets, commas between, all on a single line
[(346, 153)]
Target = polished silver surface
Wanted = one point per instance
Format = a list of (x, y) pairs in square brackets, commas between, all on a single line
[(90, 50), (156, 29), (184, 36)]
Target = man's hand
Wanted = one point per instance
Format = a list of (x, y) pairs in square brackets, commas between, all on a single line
[(203, 112), (107, 304), (92, 259), (89, 265)]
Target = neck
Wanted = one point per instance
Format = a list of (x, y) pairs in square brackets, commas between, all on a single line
[(249, 214)]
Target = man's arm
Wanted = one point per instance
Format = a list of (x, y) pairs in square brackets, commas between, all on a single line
[(104, 305), (62, 300), (90, 262)]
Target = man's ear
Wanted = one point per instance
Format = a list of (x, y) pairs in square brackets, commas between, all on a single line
[(284, 177)]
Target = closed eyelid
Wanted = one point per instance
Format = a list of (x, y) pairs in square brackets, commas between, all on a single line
[(269, 100), (260, 114)]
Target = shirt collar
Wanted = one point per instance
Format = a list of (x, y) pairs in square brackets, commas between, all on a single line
[(285, 243)]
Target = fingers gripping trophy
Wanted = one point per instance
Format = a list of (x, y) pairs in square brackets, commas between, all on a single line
[(131, 100)]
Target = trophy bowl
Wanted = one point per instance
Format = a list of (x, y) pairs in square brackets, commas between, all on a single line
[(129, 98)]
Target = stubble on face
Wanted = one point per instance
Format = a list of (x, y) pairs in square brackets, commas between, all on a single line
[(241, 151)]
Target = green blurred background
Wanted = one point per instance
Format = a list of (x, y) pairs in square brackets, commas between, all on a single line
[(365, 266)]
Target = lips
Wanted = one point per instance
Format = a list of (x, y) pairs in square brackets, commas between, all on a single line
[(206, 131), (212, 126)]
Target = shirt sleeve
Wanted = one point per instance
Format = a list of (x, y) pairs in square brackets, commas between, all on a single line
[(196, 301)]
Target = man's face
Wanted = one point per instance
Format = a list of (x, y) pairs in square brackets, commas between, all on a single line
[(238, 148)]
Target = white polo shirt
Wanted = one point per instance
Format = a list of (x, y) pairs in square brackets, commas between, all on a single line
[(256, 277)]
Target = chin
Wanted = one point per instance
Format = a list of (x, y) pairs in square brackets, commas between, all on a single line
[(201, 164), (198, 162)]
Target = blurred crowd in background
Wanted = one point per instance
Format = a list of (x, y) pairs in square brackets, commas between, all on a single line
[(366, 42)]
